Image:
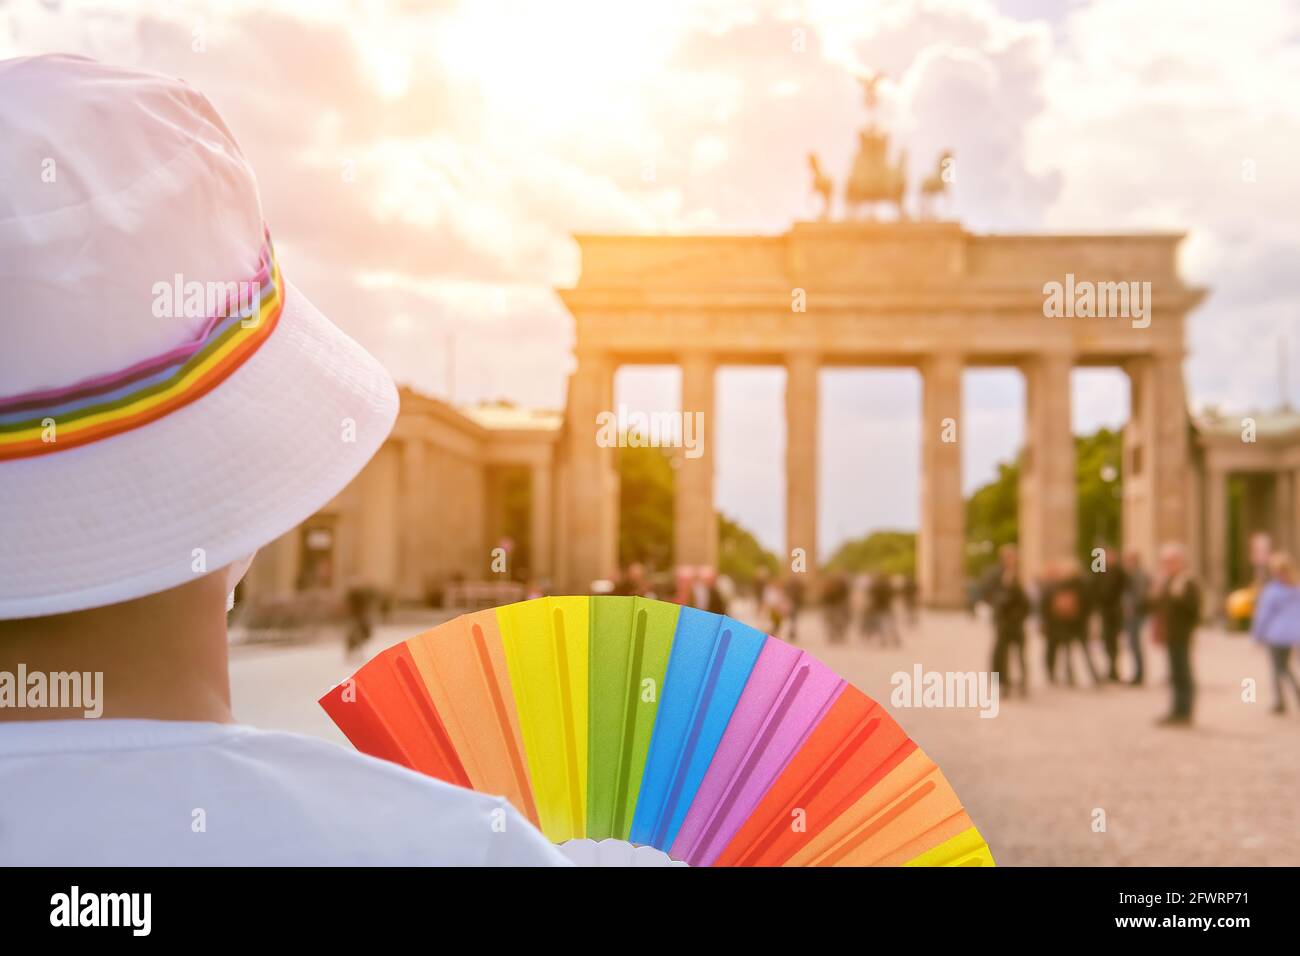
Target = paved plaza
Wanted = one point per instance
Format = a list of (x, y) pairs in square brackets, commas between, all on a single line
[(1223, 792)]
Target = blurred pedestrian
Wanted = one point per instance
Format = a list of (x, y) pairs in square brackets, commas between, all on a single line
[(705, 593), (859, 590), (906, 586), (773, 605), (726, 586), (1108, 598), (1006, 598), (1135, 603), (1276, 625), (1177, 610), (794, 592), (1068, 609), (632, 582), (1047, 624), (835, 605), (360, 601), (683, 583), (881, 622)]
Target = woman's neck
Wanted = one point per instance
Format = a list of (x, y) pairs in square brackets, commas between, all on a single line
[(161, 657)]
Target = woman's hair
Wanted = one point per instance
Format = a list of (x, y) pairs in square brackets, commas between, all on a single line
[(1280, 565)]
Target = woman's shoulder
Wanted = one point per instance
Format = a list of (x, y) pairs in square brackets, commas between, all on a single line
[(1274, 590), (1287, 594)]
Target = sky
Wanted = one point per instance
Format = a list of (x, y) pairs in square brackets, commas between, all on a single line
[(424, 165)]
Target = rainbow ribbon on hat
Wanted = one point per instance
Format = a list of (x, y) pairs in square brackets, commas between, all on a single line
[(51, 420)]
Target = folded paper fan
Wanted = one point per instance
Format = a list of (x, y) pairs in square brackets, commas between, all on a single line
[(630, 730)]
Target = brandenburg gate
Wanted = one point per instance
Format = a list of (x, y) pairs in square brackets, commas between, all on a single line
[(928, 295)]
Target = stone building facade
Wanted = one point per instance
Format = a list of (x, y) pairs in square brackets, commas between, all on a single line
[(427, 511), (1247, 476)]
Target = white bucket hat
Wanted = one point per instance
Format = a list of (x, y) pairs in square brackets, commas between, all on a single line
[(152, 425)]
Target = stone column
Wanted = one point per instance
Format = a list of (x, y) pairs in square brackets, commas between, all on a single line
[(539, 518), (1216, 537), (1138, 517), (592, 500), (1171, 446), (801, 434), (1157, 506), (695, 523), (1196, 520), (941, 546), (1048, 498)]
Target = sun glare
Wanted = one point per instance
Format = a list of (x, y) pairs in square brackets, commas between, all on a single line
[(554, 69)]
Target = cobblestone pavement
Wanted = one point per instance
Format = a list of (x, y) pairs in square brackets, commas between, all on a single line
[(1220, 793)]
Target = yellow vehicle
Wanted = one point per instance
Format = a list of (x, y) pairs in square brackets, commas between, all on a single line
[(1240, 606)]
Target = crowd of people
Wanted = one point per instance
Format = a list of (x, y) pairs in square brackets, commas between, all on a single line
[(867, 604), (1092, 623), (1117, 602), (874, 606), (1119, 596)]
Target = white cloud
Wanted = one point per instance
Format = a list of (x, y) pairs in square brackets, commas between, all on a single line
[(480, 142), (1154, 110)]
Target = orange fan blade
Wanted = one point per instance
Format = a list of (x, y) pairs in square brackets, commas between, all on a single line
[(856, 744)]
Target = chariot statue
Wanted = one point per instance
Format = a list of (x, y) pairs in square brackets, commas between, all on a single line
[(877, 177), (873, 178)]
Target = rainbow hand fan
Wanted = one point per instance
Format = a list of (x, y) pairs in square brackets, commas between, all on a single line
[(606, 719)]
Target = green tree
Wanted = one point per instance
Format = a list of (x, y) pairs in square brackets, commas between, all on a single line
[(739, 553), (992, 516), (646, 482), (887, 552), (1098, 458), (645, 527)]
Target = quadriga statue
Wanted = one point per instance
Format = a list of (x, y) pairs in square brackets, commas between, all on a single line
[(873, 179)]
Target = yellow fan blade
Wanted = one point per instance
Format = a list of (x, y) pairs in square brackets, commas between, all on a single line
[(546, 652)]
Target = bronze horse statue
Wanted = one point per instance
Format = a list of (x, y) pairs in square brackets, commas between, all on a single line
[(821, 186), (936, 184)]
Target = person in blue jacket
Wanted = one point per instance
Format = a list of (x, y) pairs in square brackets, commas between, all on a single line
[(1276, 624)]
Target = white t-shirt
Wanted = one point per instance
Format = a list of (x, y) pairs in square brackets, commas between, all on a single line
[(176, 793)]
